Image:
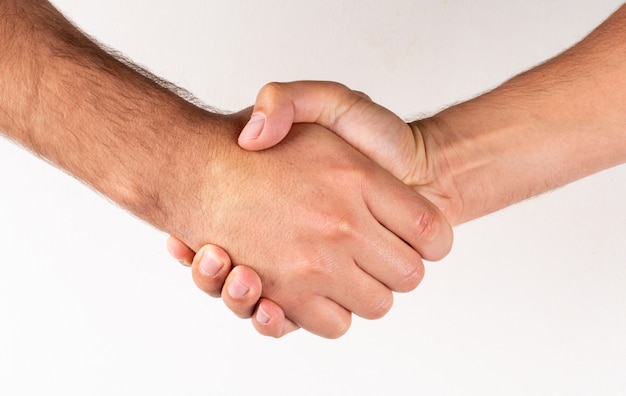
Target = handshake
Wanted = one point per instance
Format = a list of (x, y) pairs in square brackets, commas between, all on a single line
[(340, 212), (320, 229)]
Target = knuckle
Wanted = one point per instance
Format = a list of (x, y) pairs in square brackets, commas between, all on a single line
[(244, 312), (274, 334), (211, 286), (380, 307), (426, 225), (361, 94), (241, 309), (268, 331), (338, 227), (271, 90), (340, 327), (412, 279)]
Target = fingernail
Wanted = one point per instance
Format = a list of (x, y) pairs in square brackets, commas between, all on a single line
[(237, 290), (209, 265), (253, 128), (261, 316)]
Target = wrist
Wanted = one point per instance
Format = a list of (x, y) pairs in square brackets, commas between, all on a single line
[(102, 121), (517, 142), (476, 161), (189, 179)]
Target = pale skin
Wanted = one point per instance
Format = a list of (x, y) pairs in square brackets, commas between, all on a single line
[(310, 217), (557, 123)]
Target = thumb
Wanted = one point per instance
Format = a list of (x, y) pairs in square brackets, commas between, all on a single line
[(279, 105), (370, 128)]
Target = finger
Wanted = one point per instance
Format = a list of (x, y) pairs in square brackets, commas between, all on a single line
[(321, 316), (409, 216), (279, 105), (362, 293), (180, 251), (372, 302), (362, 94), (372, 129), (242, 291), (209, 269), (269, 320), (389, 264)]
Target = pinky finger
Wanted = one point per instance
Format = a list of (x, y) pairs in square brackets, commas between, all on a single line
[(181, 252), (269, 320)]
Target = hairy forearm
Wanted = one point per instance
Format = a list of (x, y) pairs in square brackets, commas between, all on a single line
[(74, 104), (180, 168), (554, 124)]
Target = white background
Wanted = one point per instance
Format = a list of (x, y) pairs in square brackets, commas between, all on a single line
[(532, 299)]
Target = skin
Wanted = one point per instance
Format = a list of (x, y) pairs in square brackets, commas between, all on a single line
[(556, 123), (310, 217)]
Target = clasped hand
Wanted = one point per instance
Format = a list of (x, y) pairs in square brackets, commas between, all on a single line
[(320, 231)]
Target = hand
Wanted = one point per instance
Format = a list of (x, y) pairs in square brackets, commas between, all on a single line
[(327, 231), (497, 149), (409, 151), (240, 287), (336, 226), (371, 128)]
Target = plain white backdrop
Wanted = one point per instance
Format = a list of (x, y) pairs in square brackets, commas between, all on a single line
[(532, 300)]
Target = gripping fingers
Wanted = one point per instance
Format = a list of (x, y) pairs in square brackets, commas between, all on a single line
[(240, 288), (210, 268), (211, 271), (323, 317), (269, 320), (410, 216), (242, 291), (181, 252)]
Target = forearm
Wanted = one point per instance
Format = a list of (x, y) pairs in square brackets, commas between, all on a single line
[(557, 123), (69, 101)]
